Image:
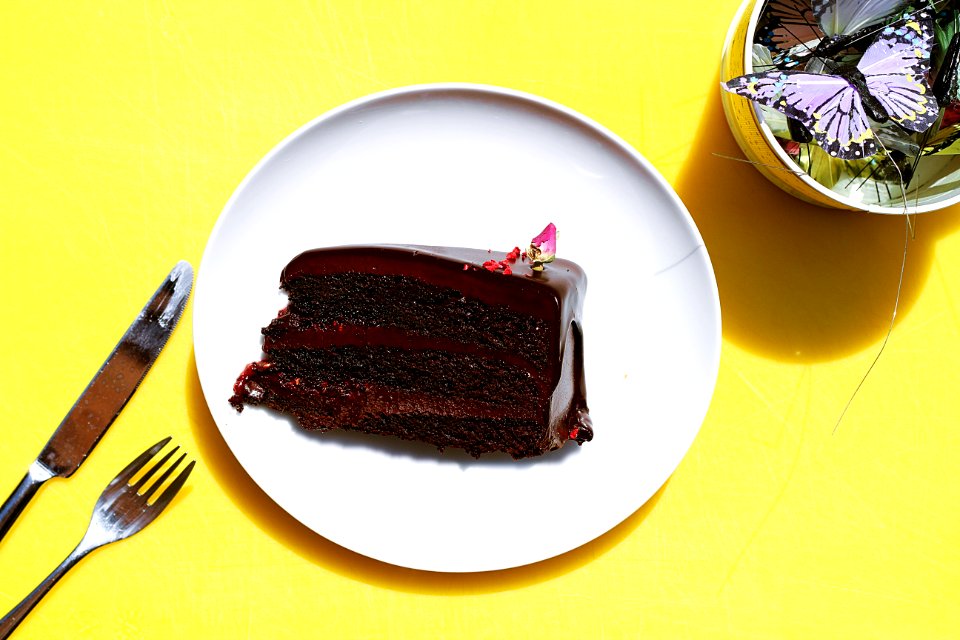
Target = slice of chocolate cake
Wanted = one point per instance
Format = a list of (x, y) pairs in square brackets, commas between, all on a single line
[(440, 345)]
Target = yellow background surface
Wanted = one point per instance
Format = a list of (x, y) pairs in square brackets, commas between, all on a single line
[(125, 127)]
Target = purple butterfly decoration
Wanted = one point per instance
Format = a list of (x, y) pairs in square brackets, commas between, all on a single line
[(888, 82)]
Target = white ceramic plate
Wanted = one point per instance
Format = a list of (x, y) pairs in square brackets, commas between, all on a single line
[(476, 166)]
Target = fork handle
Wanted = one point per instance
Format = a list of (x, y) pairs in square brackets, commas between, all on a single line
[(13, 619), (36, 476)]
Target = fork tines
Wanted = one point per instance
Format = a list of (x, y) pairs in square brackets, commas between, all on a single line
[(123, 480)]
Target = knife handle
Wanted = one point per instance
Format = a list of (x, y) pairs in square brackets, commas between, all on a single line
[(36, 476)]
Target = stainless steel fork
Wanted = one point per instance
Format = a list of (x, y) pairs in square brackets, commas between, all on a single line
[(122, 510)]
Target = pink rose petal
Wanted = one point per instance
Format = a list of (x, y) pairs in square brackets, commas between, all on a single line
[(547, 242), (543, 248)]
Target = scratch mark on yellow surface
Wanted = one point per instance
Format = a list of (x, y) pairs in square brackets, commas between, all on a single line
[(760, 395), (402, 29), (43, 175), (804, 380), (947, 292), (149, 21), (367, 48), (188, 53), (105, 236), (873, 593), (339, 48)]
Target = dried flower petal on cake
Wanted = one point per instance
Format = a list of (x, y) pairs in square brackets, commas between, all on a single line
[(504, 265), (543, 248)]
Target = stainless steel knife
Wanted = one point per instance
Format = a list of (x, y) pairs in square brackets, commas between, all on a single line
[(107, 394)]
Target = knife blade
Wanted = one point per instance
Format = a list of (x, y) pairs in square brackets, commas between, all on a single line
[(107, 394)]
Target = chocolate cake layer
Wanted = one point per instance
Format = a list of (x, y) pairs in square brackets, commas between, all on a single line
[(428, 371), (374, 302)]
